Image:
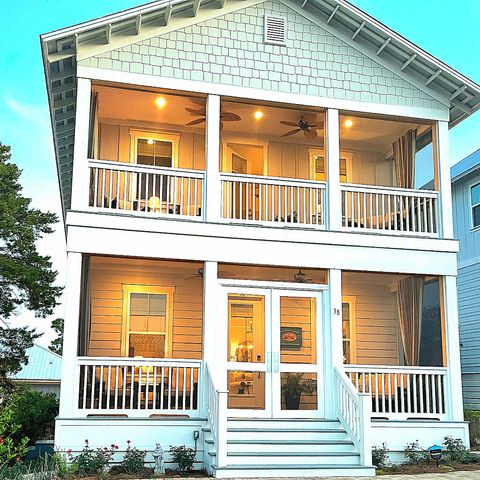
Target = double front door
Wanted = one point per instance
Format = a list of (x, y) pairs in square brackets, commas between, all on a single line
[(273, 359)]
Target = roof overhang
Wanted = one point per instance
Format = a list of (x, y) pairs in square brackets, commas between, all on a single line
[(60, 48)]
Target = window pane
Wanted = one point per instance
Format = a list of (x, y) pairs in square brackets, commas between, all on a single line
[(156, 323), (476, 216), (157, 153), (246, 390), (476, 194), (147, 346), (138, 323), (158, 304), (431, 335), (139, 304), (299, 391)]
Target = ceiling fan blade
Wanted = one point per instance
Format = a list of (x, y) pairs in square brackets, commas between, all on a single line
[(290, 124), (230, 117), (319, 126), (198, 101), (195, 122), (195, 112), (310, 133), (291, 132)]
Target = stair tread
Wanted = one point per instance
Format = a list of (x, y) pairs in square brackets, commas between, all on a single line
[(287, 442), (293, 454), (292, 467), (289, 420), (283, 430)]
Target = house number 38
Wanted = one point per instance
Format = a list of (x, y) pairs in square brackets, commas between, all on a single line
[(336, 311)]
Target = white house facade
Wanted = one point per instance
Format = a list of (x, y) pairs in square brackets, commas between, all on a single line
[(466, 222), (253, 269)]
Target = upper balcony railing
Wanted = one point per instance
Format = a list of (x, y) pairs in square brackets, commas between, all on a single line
[(260, 200)]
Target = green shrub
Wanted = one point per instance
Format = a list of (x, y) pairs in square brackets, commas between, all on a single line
[(133, 460), (455, 450), (473, 416), (415, 454), (12, 445), (92, 462), (184, 457), (379, 455)]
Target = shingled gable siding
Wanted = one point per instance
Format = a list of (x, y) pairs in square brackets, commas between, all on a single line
[(230, 50)]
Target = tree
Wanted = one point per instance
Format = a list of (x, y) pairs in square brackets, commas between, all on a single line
[(56, 345), (26, 277)]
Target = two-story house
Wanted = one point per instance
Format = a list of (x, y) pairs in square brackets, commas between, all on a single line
[(466, 222), (252, 268)]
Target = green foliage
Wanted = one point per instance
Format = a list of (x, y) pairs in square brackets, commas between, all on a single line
[(56, 345), (10, 450), (26, 277), (183, 456), (415, 454), (45, 467), (379, 455), (473, 416), (455, 450), (296, 385), (34, 412), (133, 460), (92, 462)]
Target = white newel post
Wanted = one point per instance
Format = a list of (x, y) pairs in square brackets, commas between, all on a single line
[(442, 178), (332, 141), (80, 176), (454, 374), (212, 155), (70, 379)]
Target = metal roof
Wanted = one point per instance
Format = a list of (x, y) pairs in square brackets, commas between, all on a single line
[(42, 365), (60, 47), (466, 166)]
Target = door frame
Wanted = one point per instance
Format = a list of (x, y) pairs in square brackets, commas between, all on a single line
[(272, 343)]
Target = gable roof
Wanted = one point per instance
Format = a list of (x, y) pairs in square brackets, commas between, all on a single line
[(60, 48), (42, 364), (468, 165)]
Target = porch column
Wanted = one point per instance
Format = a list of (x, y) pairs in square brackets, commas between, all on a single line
[(442, 178), (452, 349), (212, 151), (69, 386), (80, 175), (332, 150), (334, 357)]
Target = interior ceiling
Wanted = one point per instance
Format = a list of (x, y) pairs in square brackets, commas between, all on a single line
[(136, 107)]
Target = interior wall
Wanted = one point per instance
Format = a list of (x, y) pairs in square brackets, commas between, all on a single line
[(377, 340), (107, 277)]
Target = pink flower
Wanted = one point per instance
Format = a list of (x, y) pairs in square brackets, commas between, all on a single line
[(128, 441), (18, 459), (1, 440), (69, 451)]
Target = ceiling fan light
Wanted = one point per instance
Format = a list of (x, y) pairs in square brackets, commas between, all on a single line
[(160, 102), (258, 114), (348, 123)]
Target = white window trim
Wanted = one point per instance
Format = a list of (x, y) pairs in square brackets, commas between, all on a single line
[(135, 135), (351, 300), (470, 187), (151, 289), (313, 151)]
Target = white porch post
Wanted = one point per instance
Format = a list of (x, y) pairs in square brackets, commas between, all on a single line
[(69, 385), (212, 152), (332, 142), (454, 373), (442, 178), (80, 180), (334, 357)]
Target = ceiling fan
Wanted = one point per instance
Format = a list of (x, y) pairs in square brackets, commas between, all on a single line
[(309, 129), (199, 274), (301, 277), (202, 113)]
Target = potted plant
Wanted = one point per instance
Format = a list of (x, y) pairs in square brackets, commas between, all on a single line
[(294, 387)]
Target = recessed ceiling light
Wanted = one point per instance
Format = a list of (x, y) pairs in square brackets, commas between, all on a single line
[(160, 102), (150, 141), (348, 123), (258, 114)]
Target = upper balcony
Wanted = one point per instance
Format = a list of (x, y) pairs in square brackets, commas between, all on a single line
[(160, 154)]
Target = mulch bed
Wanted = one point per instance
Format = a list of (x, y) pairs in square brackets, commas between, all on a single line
[(427, 468)]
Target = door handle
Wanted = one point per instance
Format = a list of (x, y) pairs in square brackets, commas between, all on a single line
[(276, 362), (269, 361)]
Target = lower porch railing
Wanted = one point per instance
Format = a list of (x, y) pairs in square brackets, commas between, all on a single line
[(401, 393), (353, 411), (137, 386)]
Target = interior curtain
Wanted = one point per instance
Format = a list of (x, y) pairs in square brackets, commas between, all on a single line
[(93, 128), (85, 313), (404, 155), (409, 307)]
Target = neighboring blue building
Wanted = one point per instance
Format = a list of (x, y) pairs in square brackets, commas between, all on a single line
[(466, 215), (43, 370)]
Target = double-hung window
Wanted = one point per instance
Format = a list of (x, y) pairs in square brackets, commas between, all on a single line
[(475, 203)]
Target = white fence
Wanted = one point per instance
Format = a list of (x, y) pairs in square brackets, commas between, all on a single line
[(353, 411), (400, 393), (388, 210), (282, 201), (137, 386), (153, 190)]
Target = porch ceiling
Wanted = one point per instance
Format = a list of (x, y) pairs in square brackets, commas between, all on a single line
[(60, 48)]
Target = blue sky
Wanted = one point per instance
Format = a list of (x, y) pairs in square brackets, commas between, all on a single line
[(445, 28)]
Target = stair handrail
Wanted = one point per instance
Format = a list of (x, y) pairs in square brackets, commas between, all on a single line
[(217, 416), (354, 412)]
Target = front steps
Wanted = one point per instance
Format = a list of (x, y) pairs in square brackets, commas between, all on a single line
[(286, 448)]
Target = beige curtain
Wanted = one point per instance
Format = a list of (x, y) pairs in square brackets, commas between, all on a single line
[(409, 307), (404, 155)]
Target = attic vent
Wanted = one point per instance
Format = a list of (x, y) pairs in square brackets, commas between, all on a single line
[(275, 30)]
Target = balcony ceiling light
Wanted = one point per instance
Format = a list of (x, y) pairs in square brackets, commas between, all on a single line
[(160, 102), (258, 114), (348, 123), (150, 141)]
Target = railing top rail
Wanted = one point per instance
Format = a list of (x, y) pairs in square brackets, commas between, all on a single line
[(351, 187), (138, 361), (393, 369), (136, 167), (271, 180), (346, 382)]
